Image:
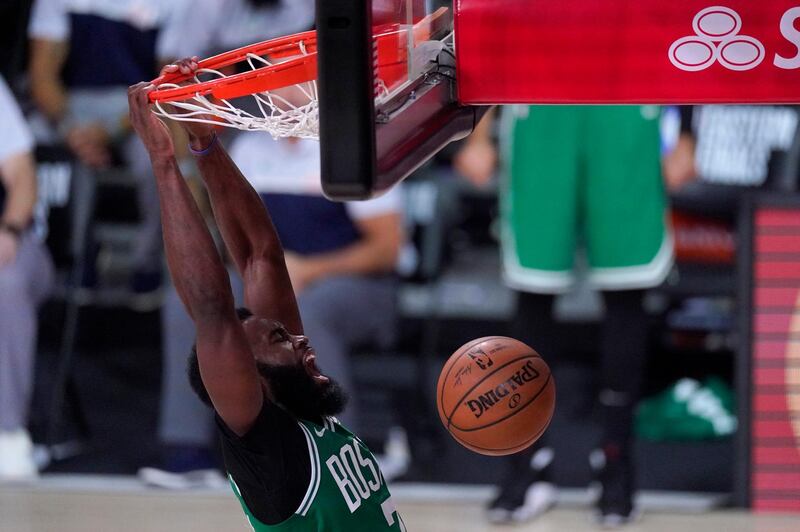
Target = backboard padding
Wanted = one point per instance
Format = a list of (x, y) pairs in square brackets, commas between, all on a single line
[(368, 144)]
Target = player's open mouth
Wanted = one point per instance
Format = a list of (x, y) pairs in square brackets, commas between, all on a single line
[(310, 362)]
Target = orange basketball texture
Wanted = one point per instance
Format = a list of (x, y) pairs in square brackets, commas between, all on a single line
[(496, 395)]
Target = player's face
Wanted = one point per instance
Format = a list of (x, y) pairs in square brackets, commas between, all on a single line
[(273, 345)]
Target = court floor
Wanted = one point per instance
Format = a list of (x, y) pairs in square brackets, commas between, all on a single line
[(72, 504)]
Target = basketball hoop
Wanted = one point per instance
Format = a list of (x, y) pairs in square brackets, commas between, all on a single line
[(280, 76), (271, 66)]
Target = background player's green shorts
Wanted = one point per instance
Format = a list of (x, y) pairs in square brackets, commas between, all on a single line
[(584, 176)]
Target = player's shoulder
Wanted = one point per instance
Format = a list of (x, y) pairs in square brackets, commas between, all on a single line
[(272, 425)]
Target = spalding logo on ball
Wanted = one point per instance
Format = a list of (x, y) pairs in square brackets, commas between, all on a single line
[(496, 395)]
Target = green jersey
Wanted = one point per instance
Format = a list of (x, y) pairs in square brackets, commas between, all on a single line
[(346, 491)]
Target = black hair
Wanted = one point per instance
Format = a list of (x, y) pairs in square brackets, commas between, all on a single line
[(193, 367)]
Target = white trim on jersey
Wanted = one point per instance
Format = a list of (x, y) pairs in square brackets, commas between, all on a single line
[(516, 275), (636, 277), (519, 277), (316, 472), (540, 281), (641, 276)]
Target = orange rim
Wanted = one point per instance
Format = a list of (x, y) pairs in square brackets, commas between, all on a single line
[(291, 72)]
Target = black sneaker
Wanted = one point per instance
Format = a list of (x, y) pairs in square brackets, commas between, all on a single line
[(615, 506), (527, 492)]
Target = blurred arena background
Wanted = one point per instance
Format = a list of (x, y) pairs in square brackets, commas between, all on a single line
[(716, 429)]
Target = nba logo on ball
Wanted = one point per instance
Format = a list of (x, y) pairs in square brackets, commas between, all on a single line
[(496, 395)]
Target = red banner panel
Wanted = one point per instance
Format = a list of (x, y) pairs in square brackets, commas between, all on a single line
[(779, 244), (781, 270), (777, 481), (775, 429), (627, 51), (776, 505), (769, 404), (770, 376), (775, 406), (767, 457), (781, 219), (772, 323), (774, 297)]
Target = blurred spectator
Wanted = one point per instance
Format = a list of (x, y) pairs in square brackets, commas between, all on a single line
[(84, 54), (223, 25), (26, 274), (733, 144), (580, 177)]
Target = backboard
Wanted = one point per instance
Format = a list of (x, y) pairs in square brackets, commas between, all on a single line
[(387, 92)]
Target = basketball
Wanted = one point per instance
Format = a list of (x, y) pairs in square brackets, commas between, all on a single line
[(496, 395)]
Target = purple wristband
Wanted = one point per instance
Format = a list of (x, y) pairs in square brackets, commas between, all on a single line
[(207, 149)]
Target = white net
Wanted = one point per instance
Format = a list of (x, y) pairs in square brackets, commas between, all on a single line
[(288, 112)]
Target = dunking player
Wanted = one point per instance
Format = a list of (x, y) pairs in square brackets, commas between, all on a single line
[(291, 465)]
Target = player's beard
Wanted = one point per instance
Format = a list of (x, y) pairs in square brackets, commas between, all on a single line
[(296, 391)]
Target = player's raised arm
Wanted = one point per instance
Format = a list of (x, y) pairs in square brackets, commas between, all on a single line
[(226, 361), (246, 227)]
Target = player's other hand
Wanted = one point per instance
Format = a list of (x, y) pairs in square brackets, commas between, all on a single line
[(187, 65), (678, 165), (153, 132), (476, 161), (200, 134)]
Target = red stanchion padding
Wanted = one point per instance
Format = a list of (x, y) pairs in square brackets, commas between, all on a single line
[(628, 51)]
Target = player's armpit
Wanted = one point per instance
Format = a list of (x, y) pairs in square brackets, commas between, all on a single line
[(228, 370)]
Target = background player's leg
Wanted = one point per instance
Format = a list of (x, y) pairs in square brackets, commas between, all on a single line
[(540, 217), (629, 249), (526, 489), (623, 363)]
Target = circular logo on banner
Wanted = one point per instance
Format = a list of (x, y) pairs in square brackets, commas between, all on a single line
[(716, 38), (717, 22), (741, 53), (693, 53)]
